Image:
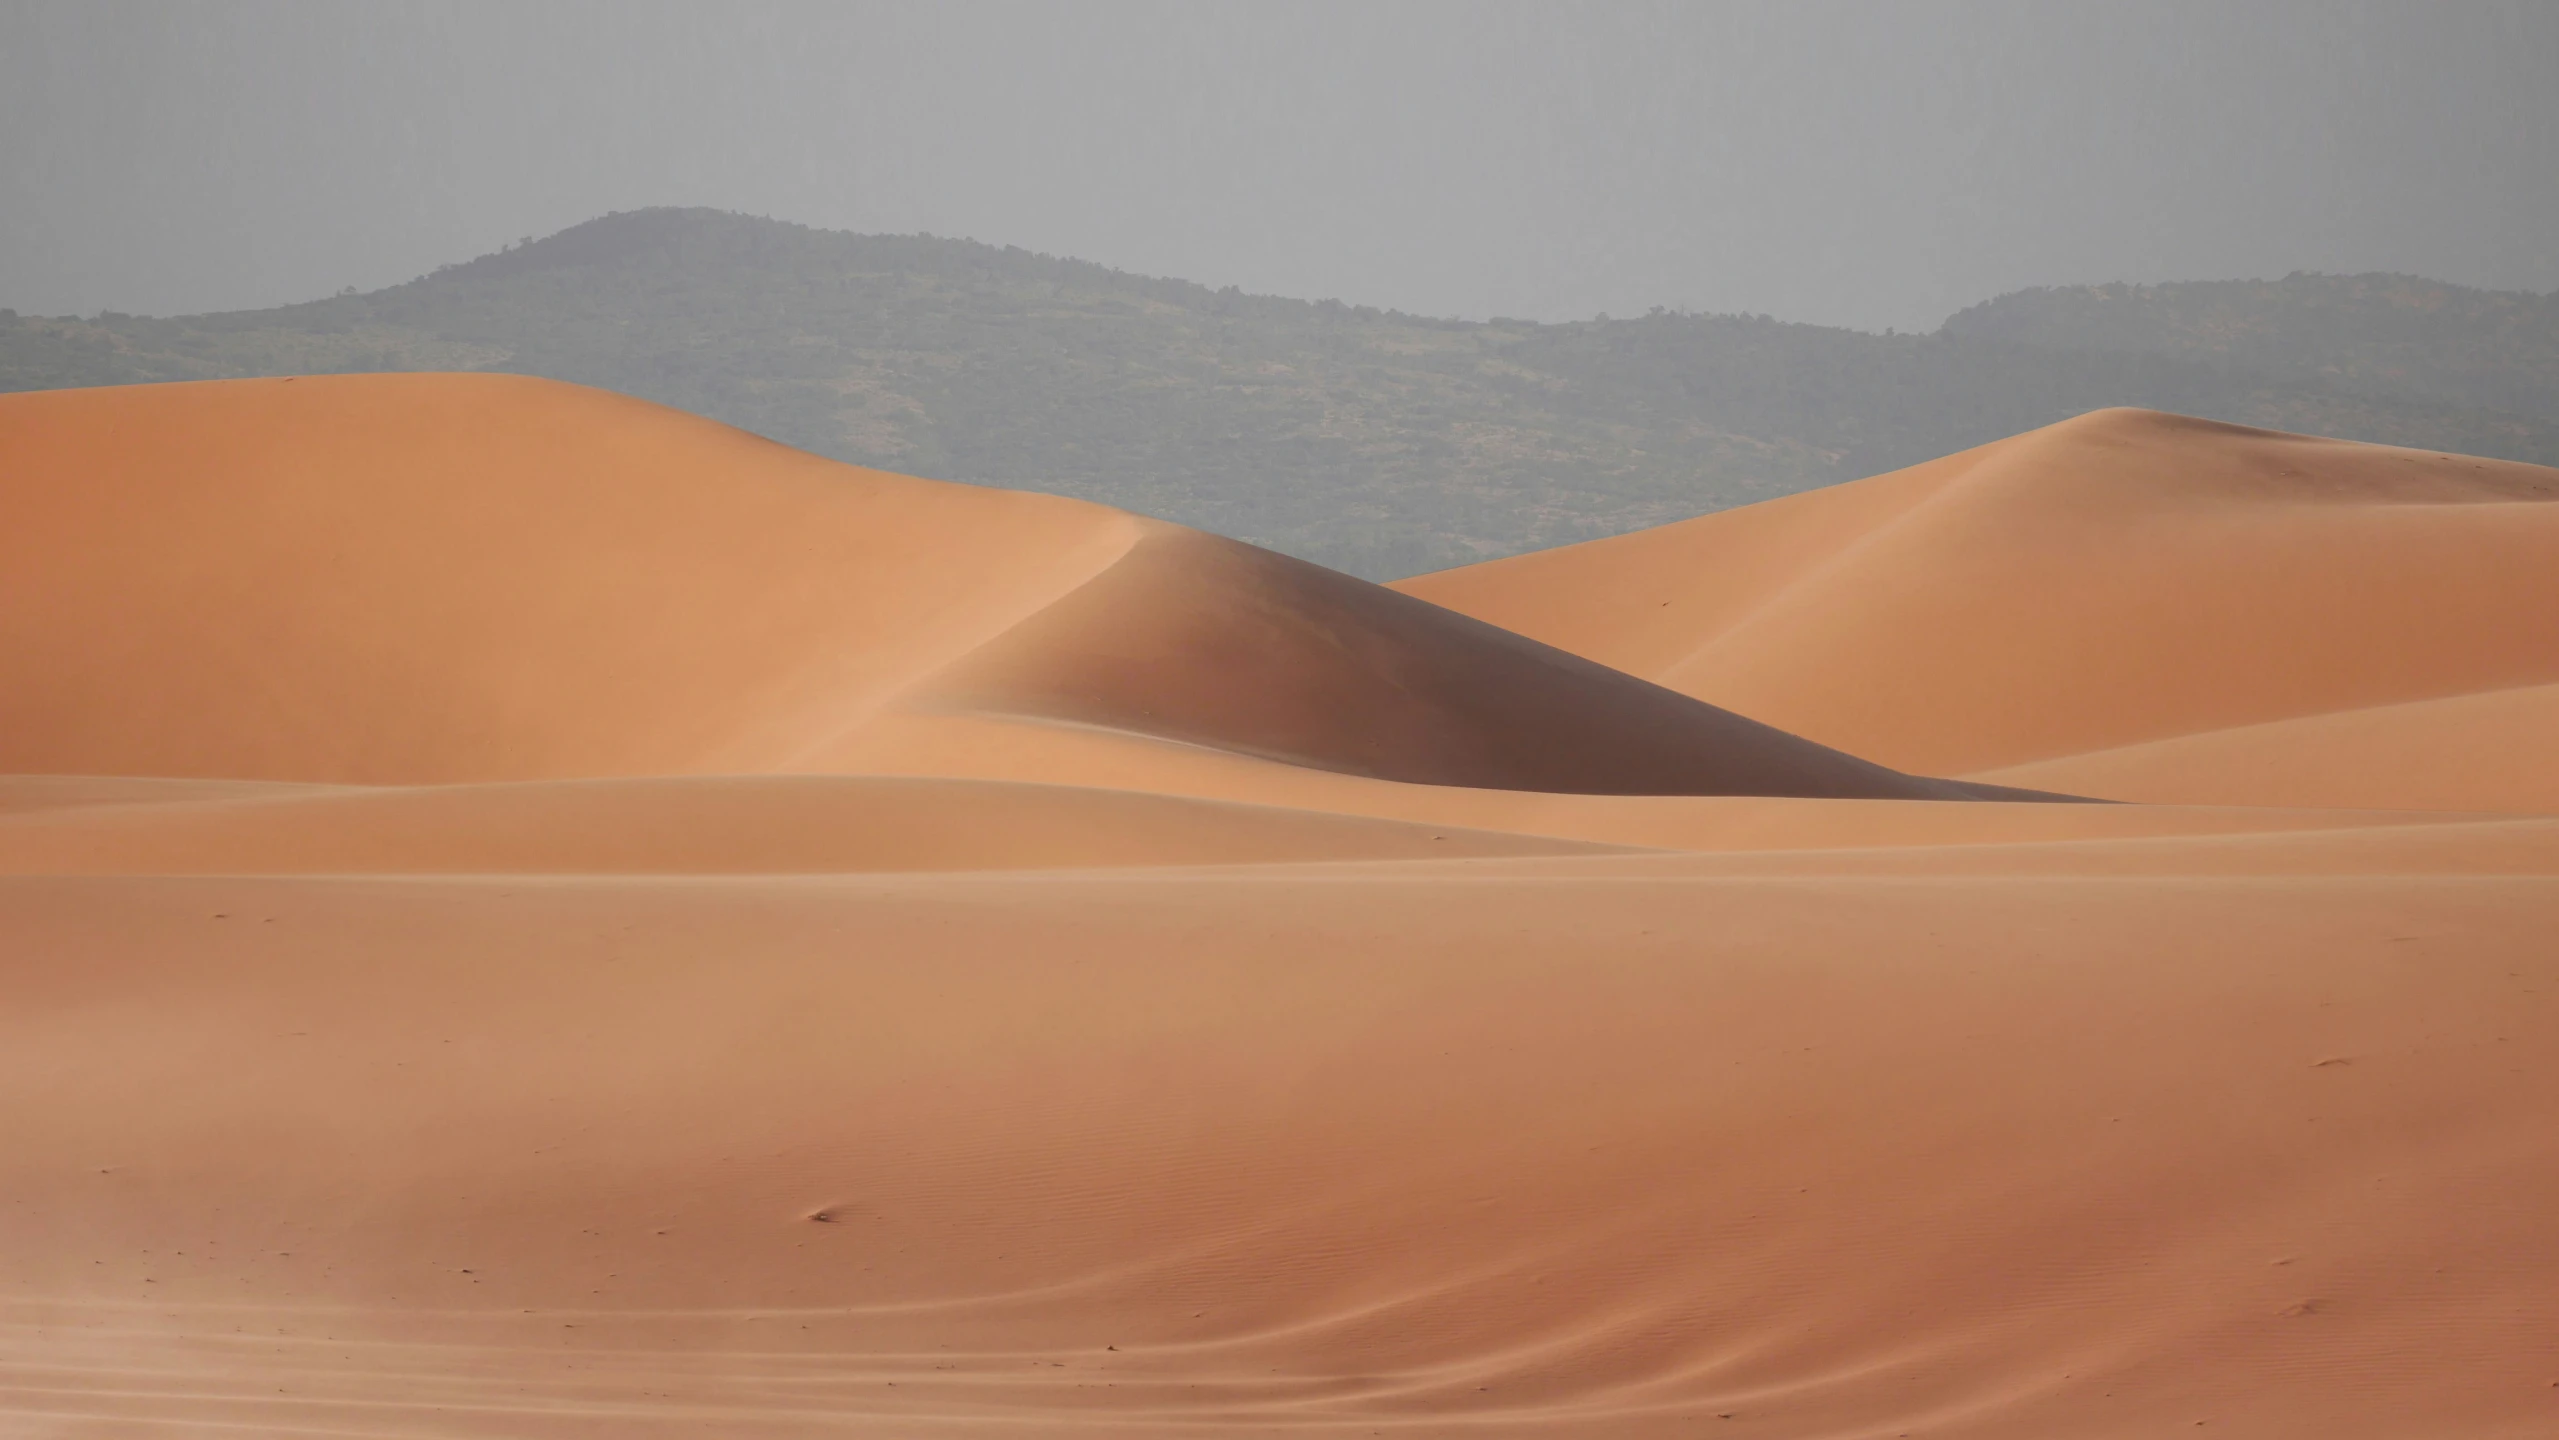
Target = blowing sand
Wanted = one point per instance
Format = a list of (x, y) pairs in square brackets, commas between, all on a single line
[(528, 914)]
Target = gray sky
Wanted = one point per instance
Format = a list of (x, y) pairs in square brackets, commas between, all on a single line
[(1856, 164)]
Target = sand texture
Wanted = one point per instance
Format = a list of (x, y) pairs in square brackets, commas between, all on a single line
[(528, 914)]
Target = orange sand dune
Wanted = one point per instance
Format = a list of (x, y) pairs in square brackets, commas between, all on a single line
[(1193, 638), (528, 915), (403, 579), (2120, 579), (432, 578)]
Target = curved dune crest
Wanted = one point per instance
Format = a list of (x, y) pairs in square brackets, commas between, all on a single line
[(1199, 639), (411, 579), (2115, 580)]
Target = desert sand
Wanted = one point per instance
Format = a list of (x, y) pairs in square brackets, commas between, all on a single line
[(2215, 597), (525, 913)]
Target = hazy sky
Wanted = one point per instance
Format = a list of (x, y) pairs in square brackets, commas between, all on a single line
[(1858, 164)]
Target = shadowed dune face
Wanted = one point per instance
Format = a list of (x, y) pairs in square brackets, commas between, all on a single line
[(1205, 640), (2117, 580), (428, 579)]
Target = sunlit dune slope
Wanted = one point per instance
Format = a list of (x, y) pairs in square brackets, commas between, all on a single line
[(1552, 1147), (463, 577), (2119, 580), (411, 579)]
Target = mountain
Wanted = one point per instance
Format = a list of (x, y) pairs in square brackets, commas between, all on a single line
[(1374, 442), (2387, 336)]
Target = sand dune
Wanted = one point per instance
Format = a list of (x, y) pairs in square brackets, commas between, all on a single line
[(1192, 638), (398, 579), (401, 579), (525, 914), (2121, 579)]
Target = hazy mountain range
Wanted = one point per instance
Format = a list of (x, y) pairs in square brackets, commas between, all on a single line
[(1376, 442)]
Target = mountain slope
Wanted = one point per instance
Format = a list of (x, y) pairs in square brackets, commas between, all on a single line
[(1373, 442), (2391, 336)]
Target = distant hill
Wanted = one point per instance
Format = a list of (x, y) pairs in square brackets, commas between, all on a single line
[(1376, 442), (2391, 336)]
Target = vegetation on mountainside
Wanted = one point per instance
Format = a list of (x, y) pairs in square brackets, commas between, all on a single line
[(1376, 442), (2391, 336)]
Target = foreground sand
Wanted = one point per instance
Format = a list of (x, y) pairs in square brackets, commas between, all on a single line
[(799, 952)]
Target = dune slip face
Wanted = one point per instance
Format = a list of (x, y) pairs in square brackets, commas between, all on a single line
[(528, 914)]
